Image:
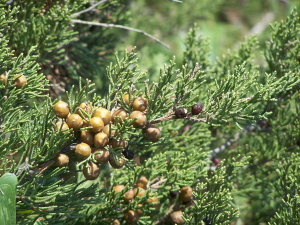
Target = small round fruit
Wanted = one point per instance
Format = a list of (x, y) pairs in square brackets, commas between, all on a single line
[(197, 108), (153, 199), (181, 112), (151, 132), (103, 155), (176, 217), (115, 222), (141, 120), (119, 143), (186, 194), (206, 220), (84, 107), (97, 124), (126, 98), (131, 217), (128, 196), (139, 191), (64, 127), (4, 79), (106, 131), (116, 162), (19, 82), (139, 211), (101, 140), (62, 160), (87, 136), (91, 172), (142, 182), (140, 104), (83, 150), (173, 194), (118, 188), (128, 154), (103, 114), (74, 121), (121, 113), (61, 109)]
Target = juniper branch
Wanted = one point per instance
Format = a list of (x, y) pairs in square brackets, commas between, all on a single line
[(88, 9), (121, 27)]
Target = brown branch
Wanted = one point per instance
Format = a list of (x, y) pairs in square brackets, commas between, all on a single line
[(121, 27), (173, 117), (238, 135), (88, 9), (170, 210), (156, 185)]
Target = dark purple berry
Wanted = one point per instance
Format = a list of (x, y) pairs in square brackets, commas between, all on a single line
[(262, 123), (216, 161), (173, 194), (197, 108), (128, 154), (181, 112), (206, 220)]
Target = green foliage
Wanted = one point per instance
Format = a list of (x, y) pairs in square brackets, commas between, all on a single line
[(250, 120)]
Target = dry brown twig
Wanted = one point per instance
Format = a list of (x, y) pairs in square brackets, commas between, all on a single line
[(170, 210), (121, 27), (88, 9), (157, 184)]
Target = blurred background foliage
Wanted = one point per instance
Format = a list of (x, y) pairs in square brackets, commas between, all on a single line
[(224, 22)]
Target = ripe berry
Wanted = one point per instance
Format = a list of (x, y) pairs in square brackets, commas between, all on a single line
[(151, 132), (87, 137), (84, 107), (140, 121), (101, 140), (197, 108), (102, 157), (64, 127), (186, 194), (97, 124), (62, 160), (176, 217), (153, 199), (216, 161), (104, 114), (119, 143), (61, 109), (119, 113), (118, 188), (4, 79), (142, 182), (83, 150), (181, 112), (116, 162), (128, 196), (140, 104), (106, 131), (139, 191), (206, 220), (128, 154), (115, 222), (85, 123), (91, 172), (139, 211), (74, 121), (19, 82), (126, 98), (131, 217), (173, 194)]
